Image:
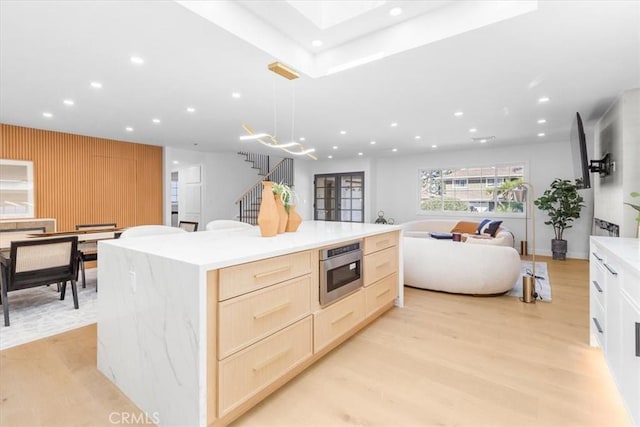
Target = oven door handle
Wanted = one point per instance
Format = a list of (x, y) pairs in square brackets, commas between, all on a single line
[(340, 260)]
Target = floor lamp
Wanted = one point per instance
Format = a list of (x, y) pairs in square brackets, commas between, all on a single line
[(529, 281)]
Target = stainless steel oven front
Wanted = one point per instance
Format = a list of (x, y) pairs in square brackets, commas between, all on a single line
[(340, 271)]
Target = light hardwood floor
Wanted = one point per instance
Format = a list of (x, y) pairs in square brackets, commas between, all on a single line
[(442, 360)]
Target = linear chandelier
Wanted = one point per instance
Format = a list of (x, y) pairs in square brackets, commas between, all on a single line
[(294, 148)]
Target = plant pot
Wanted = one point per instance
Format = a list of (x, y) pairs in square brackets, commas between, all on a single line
[(268, 218), (294, 219), (282, 214), (559, 249)]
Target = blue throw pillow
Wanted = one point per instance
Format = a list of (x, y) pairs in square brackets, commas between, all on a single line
[(492, 228), (482, 225)]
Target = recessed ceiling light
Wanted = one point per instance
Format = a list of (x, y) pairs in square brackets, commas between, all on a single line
[(473, 130), (47, 115), (458, 114), (96, 85), (434, 146), (417, 137), (137, 60), (156, 121), (394, 124), (396, 11), (541, 134), (175, 162), (343, 132), (335, 147), (330, 156), (483, 141), (372, 143), (236, 95), (68, 102), (541, 121), (394, 150), (360, 153), (129, 129), (543, 99), (302, 138), (316, 43), (191, 110)]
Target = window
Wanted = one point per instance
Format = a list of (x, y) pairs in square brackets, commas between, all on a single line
[(476, 189), (339, 197)]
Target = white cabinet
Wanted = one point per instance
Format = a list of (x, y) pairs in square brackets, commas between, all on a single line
[(615, 312)]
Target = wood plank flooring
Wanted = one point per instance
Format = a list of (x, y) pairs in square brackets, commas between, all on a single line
[(442, 360)]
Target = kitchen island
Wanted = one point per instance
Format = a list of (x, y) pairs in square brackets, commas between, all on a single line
[(196, 328)]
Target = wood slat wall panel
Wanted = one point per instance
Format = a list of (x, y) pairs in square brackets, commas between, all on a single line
[(87, 180)]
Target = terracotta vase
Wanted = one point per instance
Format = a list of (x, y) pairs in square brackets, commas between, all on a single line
[(294, 219), (268, 218), (282, 214)]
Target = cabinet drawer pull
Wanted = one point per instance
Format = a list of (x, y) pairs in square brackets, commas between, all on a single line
[(272, 310), (386, 291), (598, 327), (595, 283), (272, 272), (611, 270), (597, 257), (637, 339), (271, 360), (382, 242), (382, 265), (344, 316)]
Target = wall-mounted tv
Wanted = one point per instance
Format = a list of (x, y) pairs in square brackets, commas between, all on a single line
[(582, 167)]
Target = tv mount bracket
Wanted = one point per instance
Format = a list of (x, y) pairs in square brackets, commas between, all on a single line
[(603, 166)]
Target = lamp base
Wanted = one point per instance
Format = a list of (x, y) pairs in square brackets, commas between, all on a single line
[(523, 247), (528, 289)]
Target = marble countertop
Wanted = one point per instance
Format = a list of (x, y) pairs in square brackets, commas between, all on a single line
[(224, 248), (627, 248)]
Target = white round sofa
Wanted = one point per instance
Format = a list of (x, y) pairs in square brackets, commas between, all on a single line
[(477, 266)]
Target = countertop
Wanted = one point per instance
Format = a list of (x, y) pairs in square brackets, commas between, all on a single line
[(224, 248), (627, 248)]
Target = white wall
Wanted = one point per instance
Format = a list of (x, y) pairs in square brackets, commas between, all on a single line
[(225, 176), (398, 183), (619, 131)]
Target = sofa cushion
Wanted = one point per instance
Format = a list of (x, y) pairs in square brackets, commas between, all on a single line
[(491, 228), (482, 225), (465, 227)]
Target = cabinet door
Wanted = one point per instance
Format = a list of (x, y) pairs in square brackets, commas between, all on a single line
[(630, 358), (613, 314)]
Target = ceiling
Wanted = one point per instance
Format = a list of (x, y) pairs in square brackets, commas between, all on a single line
[(439, 58)]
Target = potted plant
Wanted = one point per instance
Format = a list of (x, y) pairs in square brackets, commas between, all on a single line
[(637, 208), (563, 204)]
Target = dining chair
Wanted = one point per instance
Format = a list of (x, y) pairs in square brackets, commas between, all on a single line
[(39, 262), (227, 224), (90, 256), (188, 225), (149, 230)]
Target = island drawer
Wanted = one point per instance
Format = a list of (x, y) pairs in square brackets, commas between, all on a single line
[(598, 324), (248, 318), (244, 278), (380, 241), (380, 294), (252, 369), (380, 264), (332, 322)]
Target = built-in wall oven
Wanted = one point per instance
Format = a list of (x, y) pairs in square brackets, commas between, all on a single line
[(340, 271)]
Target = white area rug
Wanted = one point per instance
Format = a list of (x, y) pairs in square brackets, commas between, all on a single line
[(543, 287), (38, 312)]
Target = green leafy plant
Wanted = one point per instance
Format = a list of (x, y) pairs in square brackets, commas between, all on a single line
[(636, 207), (562, 203), (286, 193)]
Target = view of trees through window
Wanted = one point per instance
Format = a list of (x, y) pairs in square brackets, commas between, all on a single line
[(475, 189)]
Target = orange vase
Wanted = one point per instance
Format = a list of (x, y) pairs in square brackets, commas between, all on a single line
[(268, 218), (294, 219), (282, 214)]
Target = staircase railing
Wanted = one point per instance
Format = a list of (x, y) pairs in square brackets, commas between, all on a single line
[(260, 161), (249, 201)]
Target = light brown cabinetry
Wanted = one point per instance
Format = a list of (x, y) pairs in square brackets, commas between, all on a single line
[(380, 294), (337, 319)]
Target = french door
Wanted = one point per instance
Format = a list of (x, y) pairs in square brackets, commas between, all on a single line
[(339, 197)]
